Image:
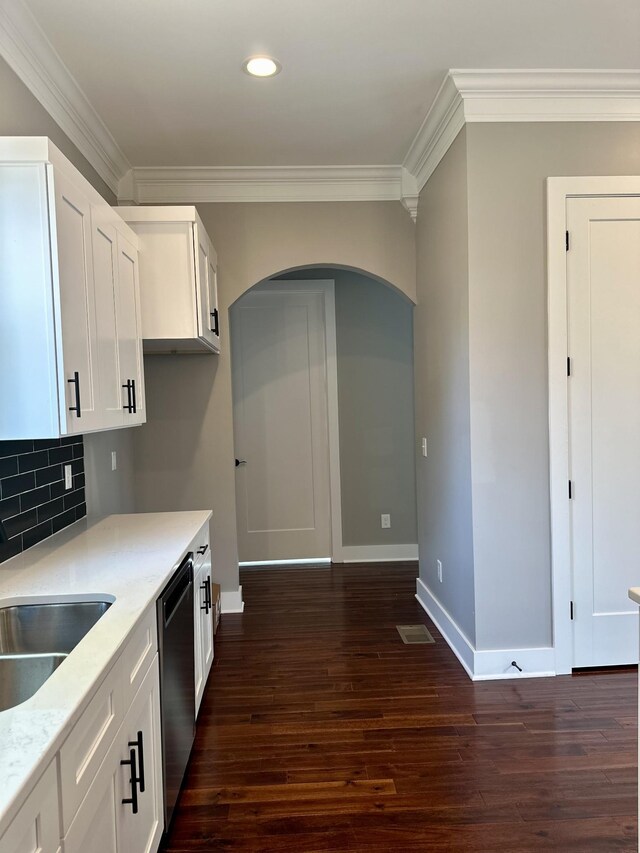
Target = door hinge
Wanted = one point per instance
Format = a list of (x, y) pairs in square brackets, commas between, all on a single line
[(568, 366), (566, 238), (570, 490), (571, 609)]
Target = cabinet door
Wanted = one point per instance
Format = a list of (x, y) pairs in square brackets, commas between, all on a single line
[(207, 312), (213, 296), (76, 311), (130, 334), (141, 832), (207, 633), (198, 603), (36, 827), (106, 824), (105, 275)]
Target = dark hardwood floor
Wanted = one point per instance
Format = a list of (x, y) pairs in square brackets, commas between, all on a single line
[(321, 731)]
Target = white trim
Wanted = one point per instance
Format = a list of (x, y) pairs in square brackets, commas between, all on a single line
[(320, 561), (378, 553), (484, 664), (503, 95), (558, 191), (177, 184), (31, 55), (456, 639), (442, 124), (231, 600)]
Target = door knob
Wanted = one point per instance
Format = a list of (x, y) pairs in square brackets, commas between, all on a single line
[(240, 462)]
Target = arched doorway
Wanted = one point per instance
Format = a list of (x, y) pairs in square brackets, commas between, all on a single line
[(322, 369)]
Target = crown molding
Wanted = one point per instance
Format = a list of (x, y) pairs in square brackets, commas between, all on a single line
[(468, 95), (171, 185), (31, 55)]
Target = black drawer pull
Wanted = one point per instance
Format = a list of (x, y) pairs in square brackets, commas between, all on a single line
[(129, 406), (133, 781), (76, 381), (139, 745)]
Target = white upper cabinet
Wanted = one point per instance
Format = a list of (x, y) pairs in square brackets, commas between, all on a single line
[(70, 332), (178, 279)]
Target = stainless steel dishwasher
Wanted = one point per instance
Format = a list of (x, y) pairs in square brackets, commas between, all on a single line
[(177, 685)]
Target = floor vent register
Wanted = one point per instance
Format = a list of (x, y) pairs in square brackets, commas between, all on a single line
[(412, 634)]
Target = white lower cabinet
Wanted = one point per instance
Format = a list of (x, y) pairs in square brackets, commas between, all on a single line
[(36, 827), (203, 622), (122, 811)]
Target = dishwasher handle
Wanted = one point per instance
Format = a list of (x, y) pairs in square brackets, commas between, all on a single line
[(179, 587)]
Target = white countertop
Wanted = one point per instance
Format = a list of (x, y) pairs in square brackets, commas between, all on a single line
[(125, 558), (634, 594)]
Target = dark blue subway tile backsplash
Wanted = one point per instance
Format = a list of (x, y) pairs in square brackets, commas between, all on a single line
[(34, 503)]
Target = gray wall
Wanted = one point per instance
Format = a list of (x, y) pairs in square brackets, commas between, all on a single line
[(374, 342), (441, 365), (22, 115), (374, 347), (184, 453), (507, 168)]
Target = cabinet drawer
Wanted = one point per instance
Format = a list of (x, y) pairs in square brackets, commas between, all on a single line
[(138, 654), (36, 827), (84, 750)]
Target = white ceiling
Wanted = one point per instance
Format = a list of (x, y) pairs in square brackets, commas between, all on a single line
[(358, 75)]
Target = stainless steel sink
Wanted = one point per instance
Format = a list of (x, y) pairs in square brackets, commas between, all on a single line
[(22, 675), (47, 628), (35, 639)]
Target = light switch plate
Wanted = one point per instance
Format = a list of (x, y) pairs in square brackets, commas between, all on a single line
[(385, 520), (424, 446), (114, 460), (68, 477)]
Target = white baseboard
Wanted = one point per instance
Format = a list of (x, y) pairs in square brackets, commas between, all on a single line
[(231, 601), (456, 639), (376, 553), (485, 664)]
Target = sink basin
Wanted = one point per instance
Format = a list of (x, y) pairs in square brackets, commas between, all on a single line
[(35, 639), (22, 675), (50, 628)]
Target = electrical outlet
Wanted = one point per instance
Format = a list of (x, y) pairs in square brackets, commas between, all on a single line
[(68, 477), (385, 520), (439, 564), (424, 446), (114, 460)]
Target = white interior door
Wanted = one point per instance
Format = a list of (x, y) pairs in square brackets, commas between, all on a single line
[(603, 279), (281, 423)]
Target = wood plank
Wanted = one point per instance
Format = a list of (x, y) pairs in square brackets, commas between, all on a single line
[(320, 731)]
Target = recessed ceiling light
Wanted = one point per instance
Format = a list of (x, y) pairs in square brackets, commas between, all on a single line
[(261, 66)]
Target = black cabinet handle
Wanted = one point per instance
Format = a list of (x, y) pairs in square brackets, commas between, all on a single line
[(203, 549), (205, 606), (138, 744), (133, 395), (129, 406), (76, 381), (216, 327), (208, 584), (133, 781)]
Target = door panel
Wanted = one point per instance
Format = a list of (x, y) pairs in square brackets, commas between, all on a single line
[(603, 274), (280, 422), (77, 305), (105, 276), (129, 332)]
